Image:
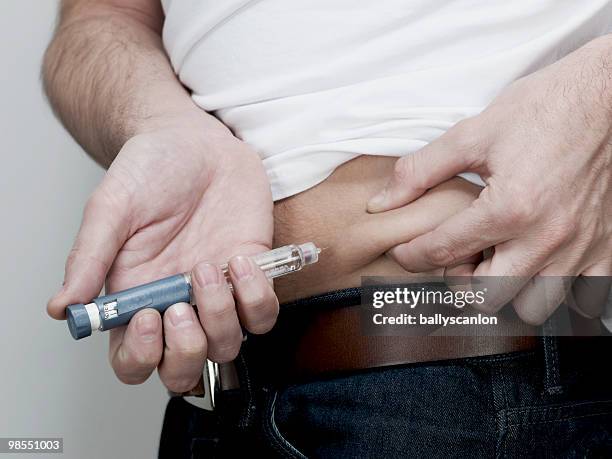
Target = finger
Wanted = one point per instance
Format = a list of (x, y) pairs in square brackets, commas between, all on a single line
[(591, 290), (461, 236), (458, 278), (103, 231), (541, 296), (217, 312), (185, 351), (135, 350), (465, 268), (503, 275), (450, 154), (256, 300)]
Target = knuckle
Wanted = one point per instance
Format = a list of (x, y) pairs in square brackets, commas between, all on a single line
[(397, 254), (555, 237), (563, 229), (192, 349), (440, 253), (518, 211), (466, 136), (217, 312), (255, 302), (135, 360), (400, 169), (144, 360), (405, 171), (191, 352)]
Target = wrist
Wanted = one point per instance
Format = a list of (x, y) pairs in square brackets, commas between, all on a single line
[(193, 136), (188, 119), (192, 129)]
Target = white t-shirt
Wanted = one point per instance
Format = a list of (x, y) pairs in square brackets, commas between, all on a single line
[(311, 84)]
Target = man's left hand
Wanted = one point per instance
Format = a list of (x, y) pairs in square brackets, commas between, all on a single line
[(544, 149)]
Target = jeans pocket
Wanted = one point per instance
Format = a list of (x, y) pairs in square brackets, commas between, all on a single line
[(273, 435), (569, 430)]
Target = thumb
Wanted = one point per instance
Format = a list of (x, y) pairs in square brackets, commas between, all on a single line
[(103, 231), (445, 157)]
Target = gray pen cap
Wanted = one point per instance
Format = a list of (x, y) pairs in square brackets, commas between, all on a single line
[(78, 321)]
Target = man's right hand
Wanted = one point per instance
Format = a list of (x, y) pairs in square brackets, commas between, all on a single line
[(181, 197)]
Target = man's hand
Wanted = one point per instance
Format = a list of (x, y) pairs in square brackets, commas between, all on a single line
[(544, 149), (181, 196), (181, 192)]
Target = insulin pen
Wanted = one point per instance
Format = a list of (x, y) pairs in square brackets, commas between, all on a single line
[(110, 311)]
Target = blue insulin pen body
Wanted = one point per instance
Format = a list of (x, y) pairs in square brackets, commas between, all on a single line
[(110, 311)]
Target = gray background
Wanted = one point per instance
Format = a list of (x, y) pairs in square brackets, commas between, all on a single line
[(51, 385)]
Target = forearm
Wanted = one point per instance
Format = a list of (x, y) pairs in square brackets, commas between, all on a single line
[(108, 78)]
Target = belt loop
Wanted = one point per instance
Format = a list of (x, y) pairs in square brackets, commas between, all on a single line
[(550, 350)]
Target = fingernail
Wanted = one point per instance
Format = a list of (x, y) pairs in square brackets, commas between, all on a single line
[(147, 326), (377, 201), (206, 275), (241, 267), (180, 315)]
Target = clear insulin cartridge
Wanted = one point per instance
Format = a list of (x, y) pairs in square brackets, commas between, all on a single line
[(110, 311)]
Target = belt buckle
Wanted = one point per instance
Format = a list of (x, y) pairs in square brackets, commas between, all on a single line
[(205, 393), (215, 378)]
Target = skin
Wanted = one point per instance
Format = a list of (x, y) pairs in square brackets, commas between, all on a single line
[(543, 148), (181, 193)]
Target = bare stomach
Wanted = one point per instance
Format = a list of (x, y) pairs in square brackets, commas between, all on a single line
[(333, 215)]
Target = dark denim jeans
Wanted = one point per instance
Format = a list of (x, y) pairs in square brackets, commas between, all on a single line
[(555, 401)]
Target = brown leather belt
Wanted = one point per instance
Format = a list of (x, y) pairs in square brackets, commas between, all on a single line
[(333, 342), (330, 341)]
